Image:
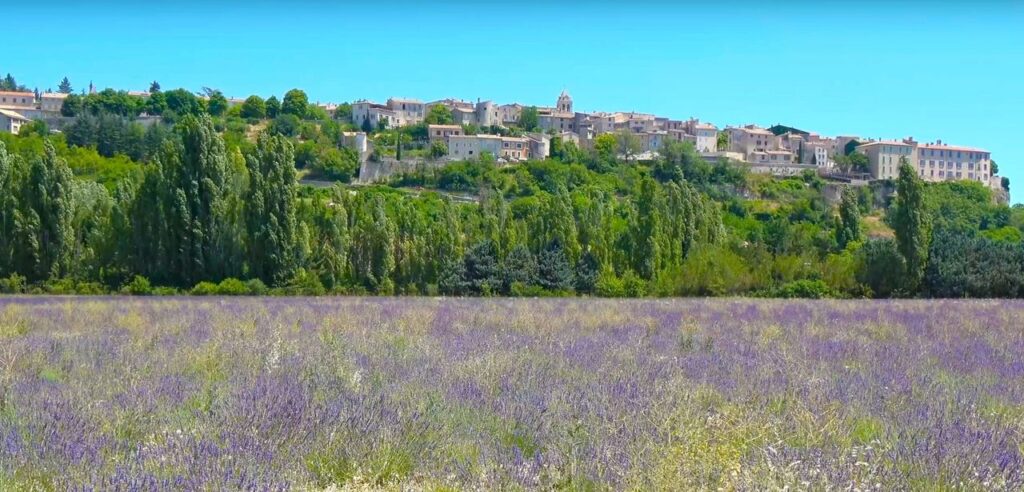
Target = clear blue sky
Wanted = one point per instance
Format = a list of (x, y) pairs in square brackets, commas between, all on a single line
[(930, 70)]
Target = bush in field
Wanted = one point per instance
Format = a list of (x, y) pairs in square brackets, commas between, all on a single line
[(138, 286), (204, 289), (15, 284), (881, 267), (804, 289), (232, 287), (609, 285)]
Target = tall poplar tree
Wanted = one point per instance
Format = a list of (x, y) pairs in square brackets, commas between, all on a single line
[(270, 214), (849, 219), (647, 230), (184, 232), (48, 210), (912, 225), (8, 211)]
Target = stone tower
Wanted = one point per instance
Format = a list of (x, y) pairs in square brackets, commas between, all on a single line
[(564, 102)]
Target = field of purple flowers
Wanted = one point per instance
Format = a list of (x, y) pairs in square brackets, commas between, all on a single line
[(429, 394)]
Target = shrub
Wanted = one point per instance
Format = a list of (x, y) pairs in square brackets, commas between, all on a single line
[(804, 289), (15, 284), (139, 286), (165, 291), (204, 289), (232, 287), (633, 285), (256, 287), (609, 285)]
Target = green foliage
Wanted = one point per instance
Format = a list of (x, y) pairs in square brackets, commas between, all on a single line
[(65, 86), (438, 149), (963, 266), (295, 103), (217, 104), (848, 228), (912, 225), (554, 272), (519, 267), (270, 211), (804, 289), (882, 268), (273, 107), (254, 108), (180, 103), (182, 213), (528, 118), (139, 286), (44, 233), (439, 114), (285, 124)]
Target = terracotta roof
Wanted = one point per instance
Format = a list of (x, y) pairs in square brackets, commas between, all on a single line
[(14, 115), (932, 146), (886, 142)]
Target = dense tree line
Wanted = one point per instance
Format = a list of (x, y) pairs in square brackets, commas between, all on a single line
[(207, 200)]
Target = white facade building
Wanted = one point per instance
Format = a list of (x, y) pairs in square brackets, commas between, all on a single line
[(11, 121)]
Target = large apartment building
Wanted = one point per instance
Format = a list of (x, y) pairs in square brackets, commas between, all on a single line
[(473, 146), (758, 145), (397, 112), (17, 100), (884, 156), (935, 161), (942, 162)]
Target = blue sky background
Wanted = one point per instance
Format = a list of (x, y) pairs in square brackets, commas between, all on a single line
[(953, 71)]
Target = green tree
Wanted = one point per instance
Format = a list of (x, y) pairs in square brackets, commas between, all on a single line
[(439, 114), (270, 214), (481, 273), (9, 211), (373, 238), (273, 107), (73, 105), (343, 112), (519, 267), (48, 211), (554, 271), (627, 144), (65, 86), (325, 228), (881, 267), (438, 149), (529, 119), (848, 229), (182, 102), (295, 103), (646, 233), (154, 87), (912, 225), (217, 105), (182, 212), (254, 108), (606, 146)]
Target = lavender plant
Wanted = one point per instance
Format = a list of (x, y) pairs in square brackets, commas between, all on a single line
[(313, 394)]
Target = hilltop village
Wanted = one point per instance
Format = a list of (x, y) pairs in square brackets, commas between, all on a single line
[(516, 132)]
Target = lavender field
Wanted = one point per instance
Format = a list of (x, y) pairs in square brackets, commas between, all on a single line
[(427, 394)]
